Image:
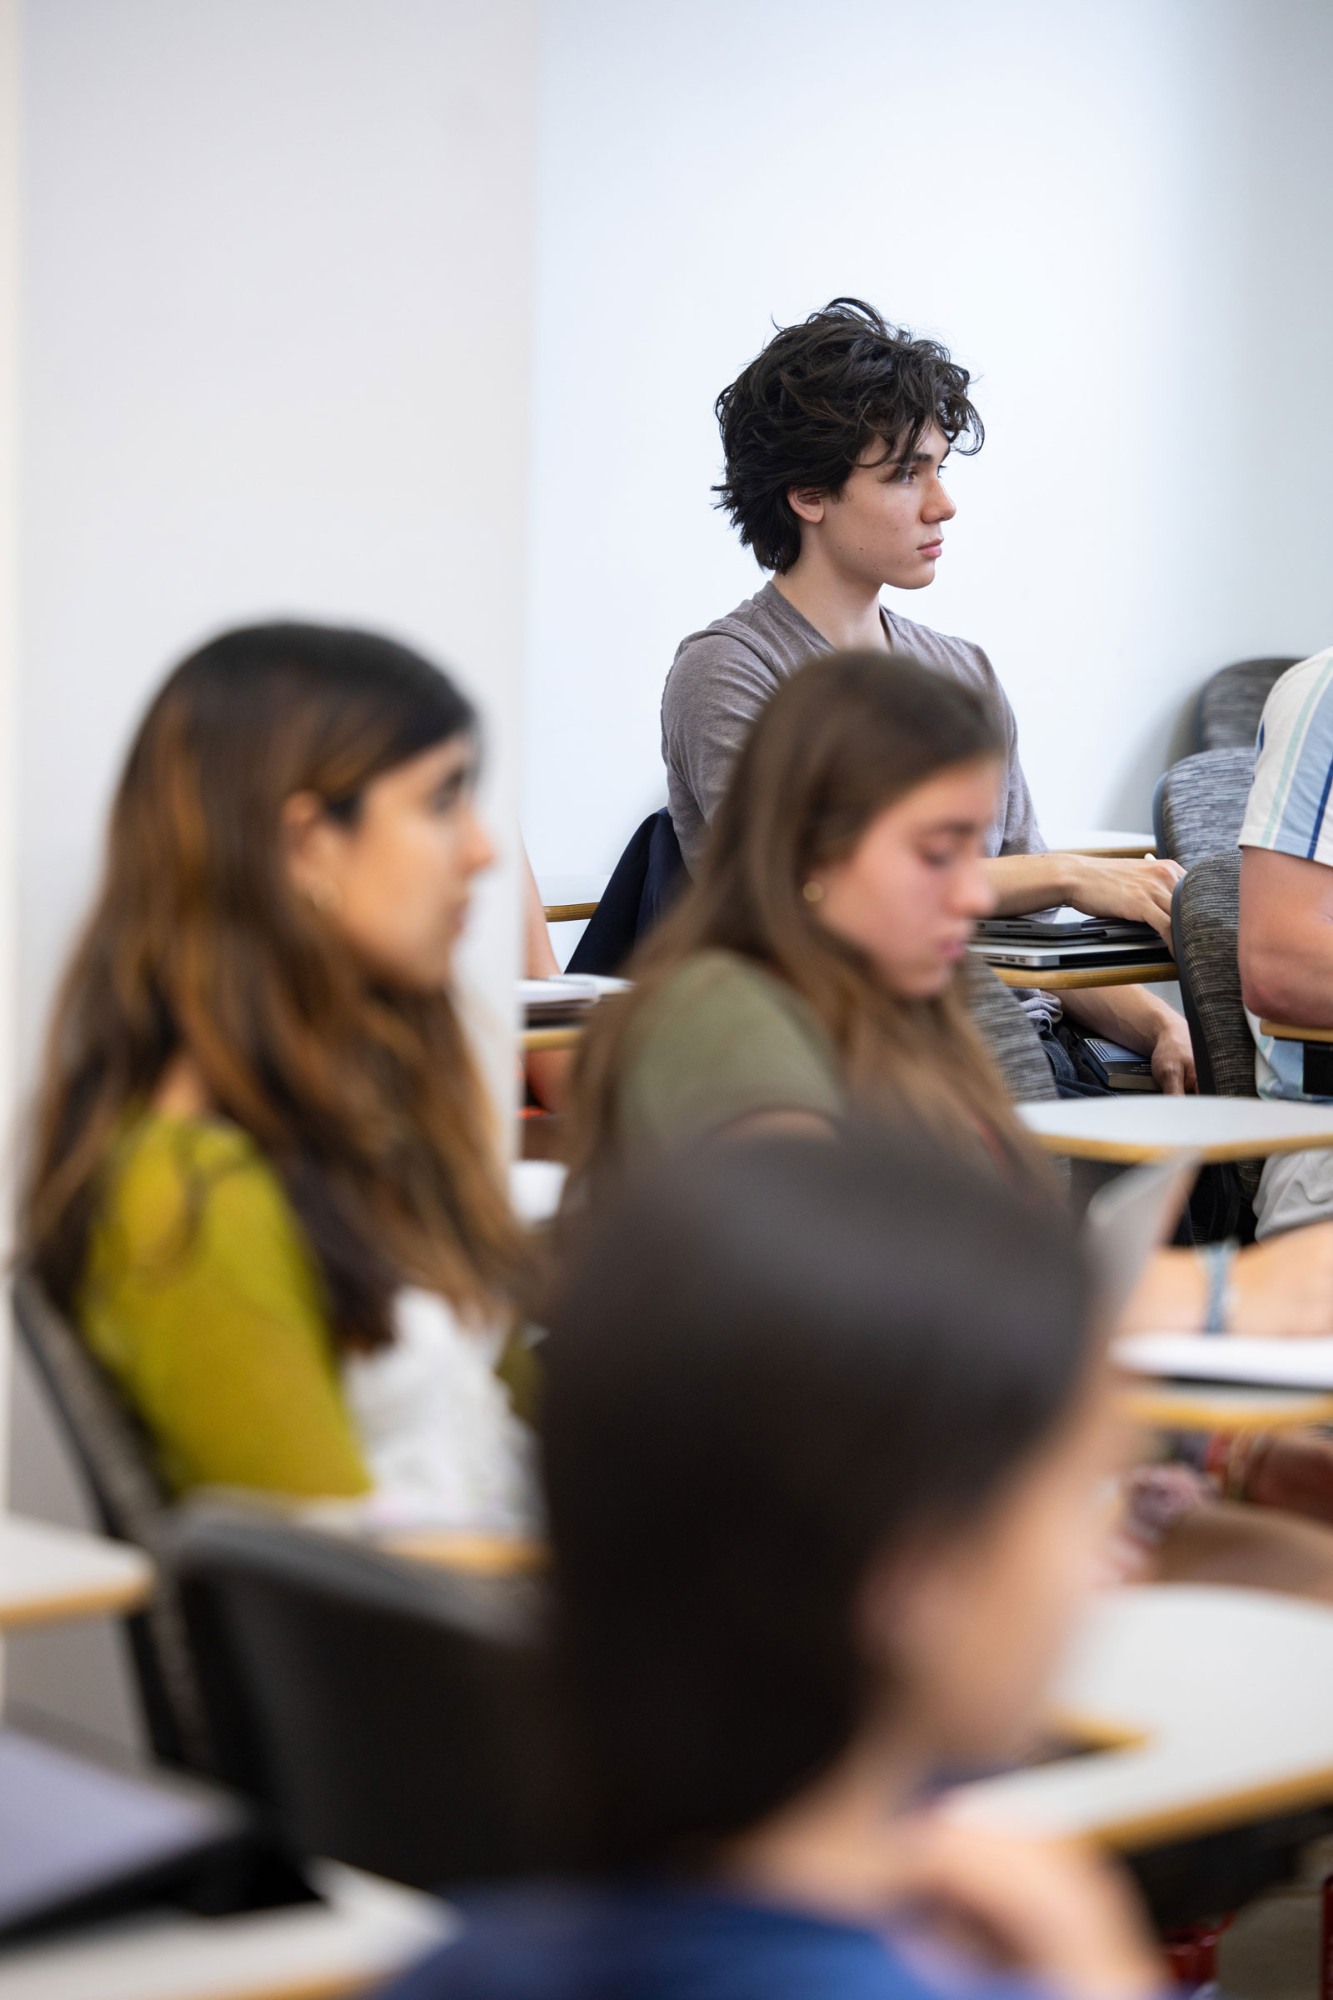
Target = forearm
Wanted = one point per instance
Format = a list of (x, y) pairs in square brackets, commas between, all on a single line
[(1026, 882), (1130, 1015), (539, 959), (1286, 937), (547, 1074), (1290, 979)]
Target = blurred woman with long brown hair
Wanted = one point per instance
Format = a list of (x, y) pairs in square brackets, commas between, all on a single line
[(815, 968), (263, 1178)]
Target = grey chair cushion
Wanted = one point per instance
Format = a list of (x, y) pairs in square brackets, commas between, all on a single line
[(1013, 1042), (1205, 921), (1233, 700), (1201, 804)]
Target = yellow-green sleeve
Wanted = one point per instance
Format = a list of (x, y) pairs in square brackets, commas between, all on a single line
[(201, 1299), (723, 1040)]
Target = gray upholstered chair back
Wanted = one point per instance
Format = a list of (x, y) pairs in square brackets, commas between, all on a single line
[(1233, 700), (1205, 920), (1013, 1042), (1200, 804), (115, 1459)]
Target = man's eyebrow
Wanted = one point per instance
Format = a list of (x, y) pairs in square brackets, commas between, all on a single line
[(917, 458)]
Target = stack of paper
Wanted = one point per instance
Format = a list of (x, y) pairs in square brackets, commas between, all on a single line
[(550, 1003)]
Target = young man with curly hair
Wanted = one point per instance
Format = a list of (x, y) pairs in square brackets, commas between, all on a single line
[(835, 439)]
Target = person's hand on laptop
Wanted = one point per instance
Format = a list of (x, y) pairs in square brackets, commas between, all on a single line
[(1138, 891)]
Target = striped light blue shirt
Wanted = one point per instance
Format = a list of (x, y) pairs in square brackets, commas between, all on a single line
[(1291, 811)]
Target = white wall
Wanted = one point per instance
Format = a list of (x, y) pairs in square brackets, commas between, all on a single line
[(1118, 216), (9, 318), (277, 321)]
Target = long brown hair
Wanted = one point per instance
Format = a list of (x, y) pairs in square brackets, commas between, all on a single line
[(366, 1101), (841, 740)]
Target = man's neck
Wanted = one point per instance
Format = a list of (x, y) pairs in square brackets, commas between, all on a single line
[(845, 613)]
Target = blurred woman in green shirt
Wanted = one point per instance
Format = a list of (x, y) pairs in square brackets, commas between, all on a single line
[(816, 966), (264, 1180)]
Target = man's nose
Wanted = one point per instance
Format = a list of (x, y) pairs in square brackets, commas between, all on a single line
[(941, 506)]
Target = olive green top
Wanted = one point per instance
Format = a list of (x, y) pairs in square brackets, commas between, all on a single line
[(202, 1300), (723, 1040)]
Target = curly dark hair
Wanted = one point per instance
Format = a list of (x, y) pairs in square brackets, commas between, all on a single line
[(808, 406)]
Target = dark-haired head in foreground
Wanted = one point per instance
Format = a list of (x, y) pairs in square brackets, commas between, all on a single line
[(796, 1391), (823, 1431)]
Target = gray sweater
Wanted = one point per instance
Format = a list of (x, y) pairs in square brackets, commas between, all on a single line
[(722, 677)]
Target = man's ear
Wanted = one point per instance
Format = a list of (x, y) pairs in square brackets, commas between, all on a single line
[(807, 503)]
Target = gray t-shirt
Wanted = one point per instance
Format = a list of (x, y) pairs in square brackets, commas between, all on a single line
[(722, 677)]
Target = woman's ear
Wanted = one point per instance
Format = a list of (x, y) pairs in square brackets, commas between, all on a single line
[(309, 849), (906, 1616)]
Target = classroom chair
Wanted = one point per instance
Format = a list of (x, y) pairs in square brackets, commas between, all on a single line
[(1013, 1043), (114, 1458), (1199, 804), (1205, 924), (389, 1714), (1231, 702)]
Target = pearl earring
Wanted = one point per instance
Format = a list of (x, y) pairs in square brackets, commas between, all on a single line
[(813, 892)]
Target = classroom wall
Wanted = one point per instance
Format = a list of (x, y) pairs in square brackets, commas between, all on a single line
[(276, 326), (9, 313), (1117, 216)]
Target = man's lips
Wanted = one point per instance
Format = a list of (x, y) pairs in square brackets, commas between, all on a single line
[(930, 548)]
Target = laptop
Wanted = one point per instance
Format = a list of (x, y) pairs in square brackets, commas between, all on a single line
[(1066, 941), (84, 1838)]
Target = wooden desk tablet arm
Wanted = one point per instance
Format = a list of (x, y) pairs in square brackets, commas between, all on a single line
[(1286, 937)]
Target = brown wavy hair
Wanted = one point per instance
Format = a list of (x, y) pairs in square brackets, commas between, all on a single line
[(366, 1101), (845, 737)]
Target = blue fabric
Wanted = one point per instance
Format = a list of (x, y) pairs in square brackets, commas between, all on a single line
[(1288, 812), (646, 1943)]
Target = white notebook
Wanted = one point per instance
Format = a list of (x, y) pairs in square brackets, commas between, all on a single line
[(1202, 1357)]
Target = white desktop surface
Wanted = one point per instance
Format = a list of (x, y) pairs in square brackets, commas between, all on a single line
[(1140, 1126), (366, 1931), (1226, 1693), (48, 1574), (1275, 1365)]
